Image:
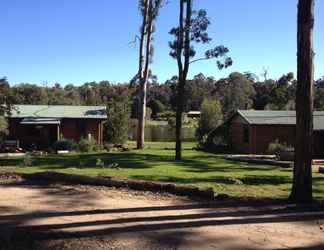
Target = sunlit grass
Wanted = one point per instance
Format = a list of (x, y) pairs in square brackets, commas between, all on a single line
[(157, 163)]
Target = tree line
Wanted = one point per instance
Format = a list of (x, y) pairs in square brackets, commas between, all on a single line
[(237, 91)]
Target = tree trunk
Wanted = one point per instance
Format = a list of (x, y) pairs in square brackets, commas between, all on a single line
[(141, 75), (183, 46), (302, 183), (180, 104), (141, 117), (180, 86)]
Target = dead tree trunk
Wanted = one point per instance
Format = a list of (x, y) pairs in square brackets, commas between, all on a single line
[(142, 78), (302, 182)]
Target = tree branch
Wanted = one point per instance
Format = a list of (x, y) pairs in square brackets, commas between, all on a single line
[(187, 37), (180, 38), (199, 59)]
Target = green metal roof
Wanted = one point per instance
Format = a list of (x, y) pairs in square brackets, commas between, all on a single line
[(269, 117), (58, 111)]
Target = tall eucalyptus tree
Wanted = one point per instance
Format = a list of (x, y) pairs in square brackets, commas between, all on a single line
[(302, 183), (150, 11), (192, 29)]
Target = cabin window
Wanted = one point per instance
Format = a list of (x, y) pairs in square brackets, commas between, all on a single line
[(246, 135)]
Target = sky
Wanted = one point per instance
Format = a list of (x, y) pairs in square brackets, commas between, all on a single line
[(77, 41)]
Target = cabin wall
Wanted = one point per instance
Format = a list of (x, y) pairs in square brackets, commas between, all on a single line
[(75, 129), (263, 135), (237, 140), (46, 135), (255, 139)]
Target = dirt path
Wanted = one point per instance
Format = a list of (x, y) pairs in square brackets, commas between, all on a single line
[(81, 217)]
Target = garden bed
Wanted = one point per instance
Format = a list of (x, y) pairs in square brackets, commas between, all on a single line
[(159, 187), (260, 159)]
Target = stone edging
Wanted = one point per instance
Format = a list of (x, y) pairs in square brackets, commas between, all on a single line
[(158, 187), (284, 164)]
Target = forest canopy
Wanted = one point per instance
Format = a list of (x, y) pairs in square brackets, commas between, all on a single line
[(237, 91)]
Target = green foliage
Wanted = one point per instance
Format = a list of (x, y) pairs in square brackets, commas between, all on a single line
[(6, 97), (3, 128), (148, 114), (64, 144), (117, 124), (211, 118), (197, 33), (157, 107), (86, 145), (172, 122), (235, 92), (319, 95), (165, 116), (100, 163), (28, 161), (275, 147)]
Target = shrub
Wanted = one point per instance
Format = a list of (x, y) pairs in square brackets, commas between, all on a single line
[(275, 147), (109, 147), (148, 113), (172, 122), (118, 120), (3, 128), (211, 118), (63, 145), (28, 161), (100, 163), (87, 145), (164, 116), (156, 107)]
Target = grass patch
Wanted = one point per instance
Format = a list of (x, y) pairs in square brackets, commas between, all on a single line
[(156, 163)]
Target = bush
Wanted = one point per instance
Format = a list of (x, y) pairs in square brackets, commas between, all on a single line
[(148, 113), (3, 128), (100, 163), (275, 147), (109, 147), (211, 118), (165, 116), (118, 120), (28, 161), (156, 107), (172, 122), (87, 145), (64, 145)]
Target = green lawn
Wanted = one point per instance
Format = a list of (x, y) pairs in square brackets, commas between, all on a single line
[(156, 163)]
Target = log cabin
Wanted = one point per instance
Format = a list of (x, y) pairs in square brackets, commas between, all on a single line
[(42, 125), (251, 131)]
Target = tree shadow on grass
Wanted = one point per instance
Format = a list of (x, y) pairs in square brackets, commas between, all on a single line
[(134, 160), (193, 168)]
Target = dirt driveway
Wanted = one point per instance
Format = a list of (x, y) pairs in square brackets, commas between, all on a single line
[(82, 217)]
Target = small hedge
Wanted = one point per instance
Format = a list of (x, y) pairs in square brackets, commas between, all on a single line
[(64, 145), (276, 147), (87, 145)]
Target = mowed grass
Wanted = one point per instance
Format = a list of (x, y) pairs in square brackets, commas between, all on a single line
[(157, 163)]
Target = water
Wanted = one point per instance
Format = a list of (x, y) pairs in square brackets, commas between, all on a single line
[(163, 133)]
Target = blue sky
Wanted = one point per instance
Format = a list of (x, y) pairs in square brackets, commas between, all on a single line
[(77, 41)]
